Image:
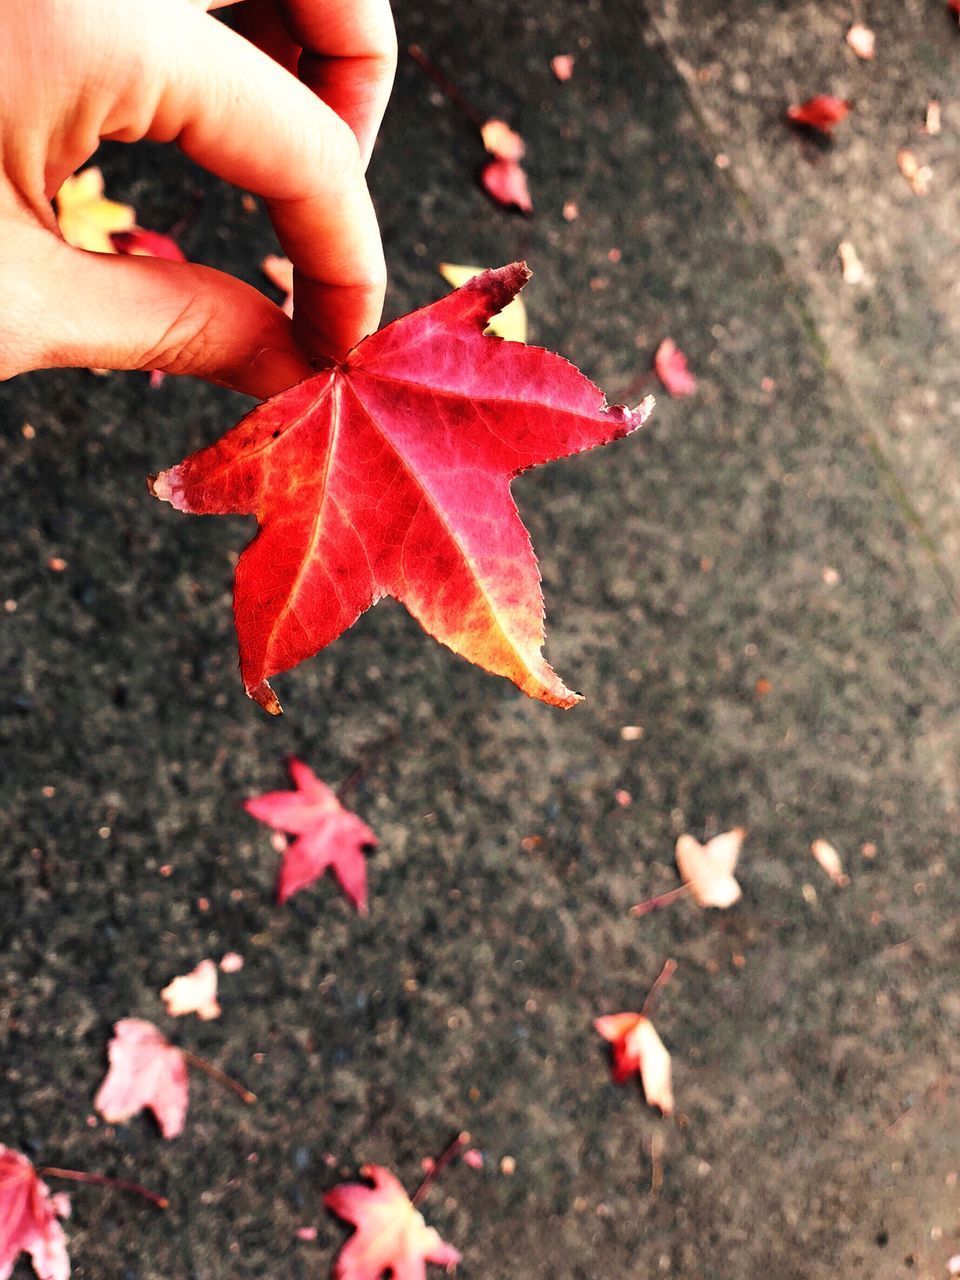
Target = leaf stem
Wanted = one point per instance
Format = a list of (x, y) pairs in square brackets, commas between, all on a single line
[(446, 85), (221, 1077), (661, 900), (666, 973), (101, 1180), (451, 1153)]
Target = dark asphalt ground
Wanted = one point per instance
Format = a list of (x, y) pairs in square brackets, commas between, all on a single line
[(814, 1030)]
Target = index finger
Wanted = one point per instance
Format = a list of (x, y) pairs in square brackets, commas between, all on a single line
[(347, 48), (349, 58), (242, 116)]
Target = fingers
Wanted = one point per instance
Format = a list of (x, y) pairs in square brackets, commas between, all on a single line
[(349, 58), (245, 118), (65, 307)]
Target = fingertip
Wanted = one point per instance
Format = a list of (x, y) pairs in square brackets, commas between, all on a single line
[(332, 319)]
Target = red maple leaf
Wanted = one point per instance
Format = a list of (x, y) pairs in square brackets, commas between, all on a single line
[(28, 1220), (328, 836), (146, 1070), (391, 1237), (822, 112), (390, 475)]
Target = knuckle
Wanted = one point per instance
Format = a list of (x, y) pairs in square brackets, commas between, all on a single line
[(342, 158), (185, 341)]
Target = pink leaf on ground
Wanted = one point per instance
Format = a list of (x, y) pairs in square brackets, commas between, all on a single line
[(194, 992), (636, 1046), (708, 868), (28, 1220), (671, 367), (862, 41), (391, 1235), (328, 836), (507, 183), (562, 66), (146, 1070)]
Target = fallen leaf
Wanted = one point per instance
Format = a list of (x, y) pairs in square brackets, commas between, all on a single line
[(503, 178), (671, 367), (822, 112), (279, 271), (862, 40), (850, 264), (328, 836), (194, 992), (918, 175), (562, 66), (389, 475), (708, 868), (28, 1220), (139, 243), (86, 220), (636, 1046), (146, 1071), (510, 323), (932, 121), (829, 860), (501, 141), (391, 1235), (506, 181)]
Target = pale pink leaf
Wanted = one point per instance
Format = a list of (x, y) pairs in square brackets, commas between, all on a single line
[(671, 367), (391, 1235), (146, 1071), (708, 869)]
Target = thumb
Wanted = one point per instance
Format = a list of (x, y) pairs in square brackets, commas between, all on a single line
[(66, 307)]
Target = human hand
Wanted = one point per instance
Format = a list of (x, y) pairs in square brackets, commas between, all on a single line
[(288, 110)]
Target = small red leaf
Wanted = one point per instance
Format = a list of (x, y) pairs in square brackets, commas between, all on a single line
[(671, 366), (822, 112), (328, 836), (636, 1047), (390, 475), (391, 1235), (146, 1071), (147, 244), (506, 181), (28, 1220)]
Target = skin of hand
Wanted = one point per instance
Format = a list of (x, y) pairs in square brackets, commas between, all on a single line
[(285, 102)]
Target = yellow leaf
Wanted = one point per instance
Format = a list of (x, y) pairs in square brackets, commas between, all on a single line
[(85, 218), (510, 323)]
